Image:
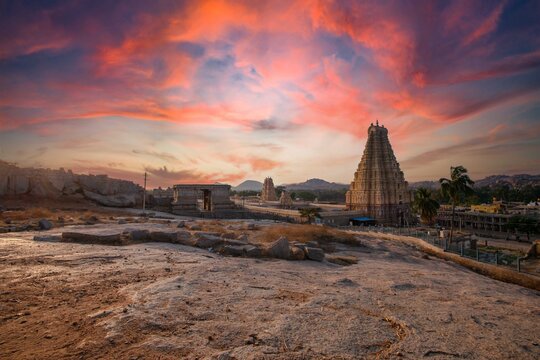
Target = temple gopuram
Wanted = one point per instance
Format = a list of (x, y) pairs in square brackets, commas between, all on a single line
[(268, 191), (379, 188)]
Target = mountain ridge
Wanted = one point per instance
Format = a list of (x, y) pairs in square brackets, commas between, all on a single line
[(513, 181)]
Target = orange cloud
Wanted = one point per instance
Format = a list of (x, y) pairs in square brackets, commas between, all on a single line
[(261, 164), (256, 163)]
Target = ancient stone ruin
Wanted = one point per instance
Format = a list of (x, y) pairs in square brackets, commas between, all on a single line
[(268, 190), (285, 200), (197, 198), (379, 188)]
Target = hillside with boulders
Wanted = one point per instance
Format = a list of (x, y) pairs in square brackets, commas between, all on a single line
[(60, 183)]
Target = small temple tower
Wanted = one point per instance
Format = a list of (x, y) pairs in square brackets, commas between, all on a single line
[(379, 188), (285, 200), (268, 190)]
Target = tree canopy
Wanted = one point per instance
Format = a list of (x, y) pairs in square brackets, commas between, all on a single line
[(425, 205)]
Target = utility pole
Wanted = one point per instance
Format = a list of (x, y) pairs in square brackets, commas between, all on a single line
[(144, 195)]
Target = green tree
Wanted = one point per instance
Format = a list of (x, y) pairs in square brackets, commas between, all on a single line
[(305, 195), (279, 190), (459, 184), (425, 205), (310, 214)]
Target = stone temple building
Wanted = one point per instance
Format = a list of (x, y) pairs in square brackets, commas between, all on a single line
[(268, 190), (194, 199), (379, 189), (285, 200)]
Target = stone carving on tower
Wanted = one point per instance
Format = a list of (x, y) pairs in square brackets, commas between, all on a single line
[(268, 190), (379, 189)]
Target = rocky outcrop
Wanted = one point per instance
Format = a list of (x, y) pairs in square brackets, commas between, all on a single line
[(297, 253), (92, 238), (315, 254), (47, 183), (206, 240), (279, 249), (116, 200)]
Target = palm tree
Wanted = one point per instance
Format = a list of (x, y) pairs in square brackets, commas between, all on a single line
[(425, 205), (458, 185), (310, 213)]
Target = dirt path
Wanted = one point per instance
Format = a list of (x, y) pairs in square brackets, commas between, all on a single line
[(167, 301)]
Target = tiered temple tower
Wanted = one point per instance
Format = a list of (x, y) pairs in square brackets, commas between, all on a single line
[(379, 188), (285, 200), (268, 190)]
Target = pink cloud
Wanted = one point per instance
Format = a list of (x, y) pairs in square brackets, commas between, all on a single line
[(165, 177), (267, 68), (487, 26), (375, 27), (256, 163)]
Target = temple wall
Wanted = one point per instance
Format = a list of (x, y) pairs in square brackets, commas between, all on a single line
[(186, 197)]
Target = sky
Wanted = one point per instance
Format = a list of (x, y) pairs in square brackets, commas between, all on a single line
[(224, 91)]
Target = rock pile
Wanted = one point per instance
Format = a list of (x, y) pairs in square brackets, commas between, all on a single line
[(45, 224), (214, 241)]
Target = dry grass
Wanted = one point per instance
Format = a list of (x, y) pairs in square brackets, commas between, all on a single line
[(33, 214), (304, 233), (212, 225), (26, 214)]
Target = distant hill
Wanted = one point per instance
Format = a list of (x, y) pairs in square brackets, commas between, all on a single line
[(513, 181), (316, 184), (249, 185), (424, 184)]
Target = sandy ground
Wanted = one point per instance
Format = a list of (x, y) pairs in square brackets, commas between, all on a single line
[(505, 244), (165, 301)]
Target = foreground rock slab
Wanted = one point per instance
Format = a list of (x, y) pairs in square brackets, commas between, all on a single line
[(170, 301)]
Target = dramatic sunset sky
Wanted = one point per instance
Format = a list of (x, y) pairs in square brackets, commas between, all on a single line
[(206, 91)]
